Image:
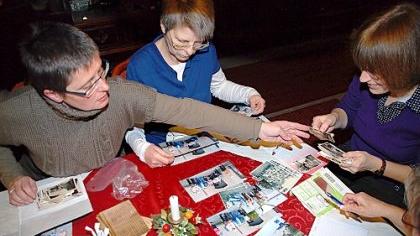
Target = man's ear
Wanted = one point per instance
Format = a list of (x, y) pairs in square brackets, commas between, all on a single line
[(162, 27), (53, 95)]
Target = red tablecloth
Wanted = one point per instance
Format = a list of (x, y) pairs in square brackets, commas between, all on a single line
[(164, 182)]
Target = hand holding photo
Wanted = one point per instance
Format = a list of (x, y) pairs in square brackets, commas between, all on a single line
[(332, 153), (322, 135), (59, 193)]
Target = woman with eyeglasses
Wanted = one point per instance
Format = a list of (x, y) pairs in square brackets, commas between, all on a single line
[(382, 105), (183, 63), (407, 220)]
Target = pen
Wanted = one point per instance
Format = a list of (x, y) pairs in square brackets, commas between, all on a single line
[(334, 199), (340, 205)]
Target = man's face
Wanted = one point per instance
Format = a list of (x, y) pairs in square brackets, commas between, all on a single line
[(92, 82)]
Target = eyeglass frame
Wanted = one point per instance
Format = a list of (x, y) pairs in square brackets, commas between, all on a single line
[(184, 47), (92, 88), (407, 220)]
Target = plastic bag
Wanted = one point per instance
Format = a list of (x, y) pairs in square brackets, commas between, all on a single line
[(127, 181)]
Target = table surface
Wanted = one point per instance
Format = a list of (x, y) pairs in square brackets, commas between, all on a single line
[(164, 182)]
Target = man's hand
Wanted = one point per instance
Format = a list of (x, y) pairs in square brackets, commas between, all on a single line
[(156, 157), (364, 205), (22, 191), (360, 161), (257, 104), (324, 123), (283, 131)]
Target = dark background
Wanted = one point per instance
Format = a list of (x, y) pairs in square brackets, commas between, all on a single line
[(242, 26)]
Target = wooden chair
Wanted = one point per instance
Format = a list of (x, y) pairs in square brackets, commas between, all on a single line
[(121, 69)]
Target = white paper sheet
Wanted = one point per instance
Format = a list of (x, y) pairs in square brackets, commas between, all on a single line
[(334, 223)]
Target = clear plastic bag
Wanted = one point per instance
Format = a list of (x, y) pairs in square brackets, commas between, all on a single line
[(127, 181)]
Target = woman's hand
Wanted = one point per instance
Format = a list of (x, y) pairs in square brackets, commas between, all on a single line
[(364, 205), (324, 123), (357, 161), (257, 104), (156, 157)]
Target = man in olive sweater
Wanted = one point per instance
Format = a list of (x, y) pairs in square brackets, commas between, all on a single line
[(71, 120)]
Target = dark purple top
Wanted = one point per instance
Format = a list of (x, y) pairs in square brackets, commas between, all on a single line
[(397, 140)]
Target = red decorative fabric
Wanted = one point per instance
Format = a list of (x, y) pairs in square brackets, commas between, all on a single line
[(164, 182)]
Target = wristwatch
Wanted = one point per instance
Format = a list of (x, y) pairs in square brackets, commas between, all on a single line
[(380, 171)]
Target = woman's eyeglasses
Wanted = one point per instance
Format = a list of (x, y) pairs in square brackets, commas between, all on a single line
[(184, 46), (94, 84)]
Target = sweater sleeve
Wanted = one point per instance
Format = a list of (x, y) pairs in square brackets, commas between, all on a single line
[(229, 91), (194, 114), (9, 167), (350, 103)]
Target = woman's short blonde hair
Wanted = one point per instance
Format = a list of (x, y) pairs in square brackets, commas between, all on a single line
[(388, 46), (198, 15)]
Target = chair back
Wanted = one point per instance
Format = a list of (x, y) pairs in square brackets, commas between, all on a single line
[(121, 69)]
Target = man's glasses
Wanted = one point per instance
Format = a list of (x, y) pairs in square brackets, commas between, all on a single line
[(184, 46), (408, 220), (94, 83)]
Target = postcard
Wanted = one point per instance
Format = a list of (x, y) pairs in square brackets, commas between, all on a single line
[(212, 181), (275, 175), (321, 193)]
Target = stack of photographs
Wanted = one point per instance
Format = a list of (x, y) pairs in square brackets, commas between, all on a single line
[(59, 193), (59, 200), (274, 175), (332, 153), (212, 181), (190, 147)]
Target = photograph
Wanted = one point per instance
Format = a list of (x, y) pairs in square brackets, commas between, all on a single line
[(59, 193), (332, 152), (235, 222), (251, 197), (212, 181), (272, 174), (307, 164), (242, 109), (321, 135), (191, 147), (279, 227)]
